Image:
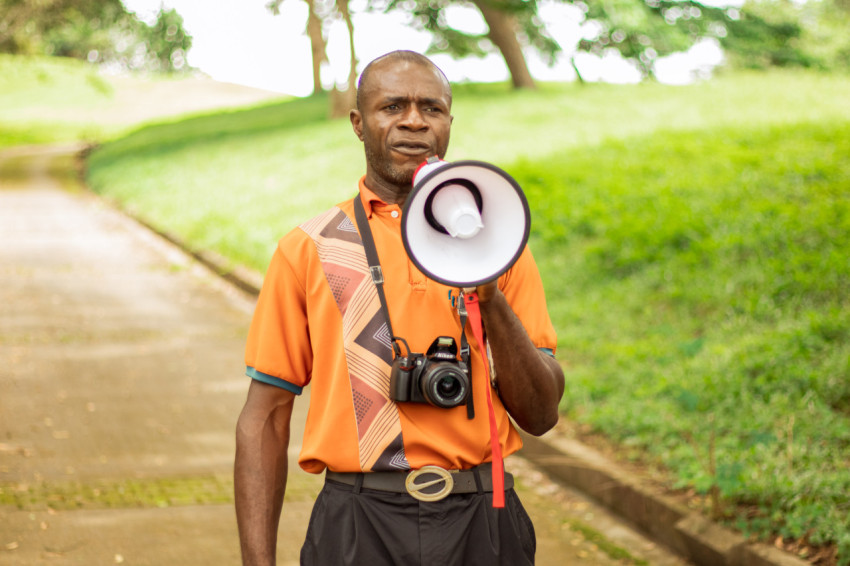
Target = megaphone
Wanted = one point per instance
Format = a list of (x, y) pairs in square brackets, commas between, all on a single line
[(465, 223)]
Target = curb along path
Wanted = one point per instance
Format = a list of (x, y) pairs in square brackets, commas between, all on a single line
[(683, 531)]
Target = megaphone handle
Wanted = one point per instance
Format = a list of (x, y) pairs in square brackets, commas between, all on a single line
[(474, 313)]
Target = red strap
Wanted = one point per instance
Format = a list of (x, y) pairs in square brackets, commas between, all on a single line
[(472, 308)]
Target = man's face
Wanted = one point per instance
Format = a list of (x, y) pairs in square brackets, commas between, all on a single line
[(404, 119)]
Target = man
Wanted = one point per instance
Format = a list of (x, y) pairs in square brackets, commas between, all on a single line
[(318, 321)]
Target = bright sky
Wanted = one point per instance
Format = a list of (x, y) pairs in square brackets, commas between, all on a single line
[(243, 43)]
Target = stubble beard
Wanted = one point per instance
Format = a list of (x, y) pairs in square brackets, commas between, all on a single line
[(388, 171)]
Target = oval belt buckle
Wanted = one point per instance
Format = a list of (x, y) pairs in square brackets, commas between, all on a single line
[(415, 489)]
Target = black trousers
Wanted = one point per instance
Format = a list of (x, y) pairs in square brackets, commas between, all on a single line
[(377, 528)]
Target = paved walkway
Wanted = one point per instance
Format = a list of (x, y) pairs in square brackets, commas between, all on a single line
[(121, 377)]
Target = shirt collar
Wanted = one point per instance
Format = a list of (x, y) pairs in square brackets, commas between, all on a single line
[(370, 199)]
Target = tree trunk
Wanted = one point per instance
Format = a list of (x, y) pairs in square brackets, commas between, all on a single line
[(575, 68), (343, 101), (317, 45), (503, 34), (352, 69)]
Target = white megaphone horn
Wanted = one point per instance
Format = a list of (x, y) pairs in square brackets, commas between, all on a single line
[(465, 222)]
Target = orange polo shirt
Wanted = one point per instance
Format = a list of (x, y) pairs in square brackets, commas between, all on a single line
[(296, 339)]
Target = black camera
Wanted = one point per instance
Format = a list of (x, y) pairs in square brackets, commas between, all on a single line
[(437, 377)]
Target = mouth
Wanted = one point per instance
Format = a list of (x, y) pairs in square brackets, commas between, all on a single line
[(410, 147)]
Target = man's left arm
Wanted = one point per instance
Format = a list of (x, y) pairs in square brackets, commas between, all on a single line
[(531, 382)]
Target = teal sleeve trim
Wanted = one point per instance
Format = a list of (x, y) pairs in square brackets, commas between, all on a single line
[(548, 351), (271, 380)]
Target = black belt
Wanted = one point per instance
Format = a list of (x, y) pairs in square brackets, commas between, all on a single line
[(430, 483)]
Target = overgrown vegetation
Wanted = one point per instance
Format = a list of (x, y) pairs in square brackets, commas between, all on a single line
[(693, 241)]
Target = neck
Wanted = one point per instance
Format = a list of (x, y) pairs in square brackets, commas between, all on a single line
[(388, 192)]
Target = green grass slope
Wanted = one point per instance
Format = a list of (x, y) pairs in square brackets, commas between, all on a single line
[(55, 99), (693, 242), (236, 191), (29, 85), (699, 281)]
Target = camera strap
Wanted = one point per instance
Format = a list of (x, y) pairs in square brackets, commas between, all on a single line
[(374, 265), (464, 351), (378, 279)]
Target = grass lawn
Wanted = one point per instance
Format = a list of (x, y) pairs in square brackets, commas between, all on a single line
[(693, 242), (701, 302), (29, 86), (56, 99)]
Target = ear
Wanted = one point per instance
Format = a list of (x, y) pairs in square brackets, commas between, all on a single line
[(356, 123)]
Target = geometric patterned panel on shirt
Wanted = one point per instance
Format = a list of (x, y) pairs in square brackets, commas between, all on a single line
[(368, 348), (343, 282), (393, 457), (340, 227), (381, 438), (375, 338), (367, 404)]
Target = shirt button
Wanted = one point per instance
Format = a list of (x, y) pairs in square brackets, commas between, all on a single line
[(394, 214)]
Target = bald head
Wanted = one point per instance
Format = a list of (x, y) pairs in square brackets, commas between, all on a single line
[(403, 117), (365, 82)]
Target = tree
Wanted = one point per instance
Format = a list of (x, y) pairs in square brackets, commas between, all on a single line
[(94, 30), (512, 26), (644, 30), (318, 44), (502, 31), (783, 33), (60, 27), (826, 23), (762, 33), (640, 30), (167, 42), (343, 101), (321, 11)]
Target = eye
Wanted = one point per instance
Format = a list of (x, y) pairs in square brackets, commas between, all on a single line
[(435, 108)]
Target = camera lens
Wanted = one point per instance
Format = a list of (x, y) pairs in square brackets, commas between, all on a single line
[(445, 385), (448, 387)]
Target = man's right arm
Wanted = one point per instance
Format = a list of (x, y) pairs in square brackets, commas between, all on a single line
[(260, 471)]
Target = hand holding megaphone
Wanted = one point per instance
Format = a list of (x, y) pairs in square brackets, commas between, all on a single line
[(465, 222)]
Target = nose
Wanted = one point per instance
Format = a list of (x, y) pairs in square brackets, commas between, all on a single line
[(413, 119)]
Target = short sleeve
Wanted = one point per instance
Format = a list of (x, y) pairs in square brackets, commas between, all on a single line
[(523, 289), (278, 348)]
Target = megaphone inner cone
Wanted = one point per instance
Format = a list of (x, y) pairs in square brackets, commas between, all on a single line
[(453, 208)]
